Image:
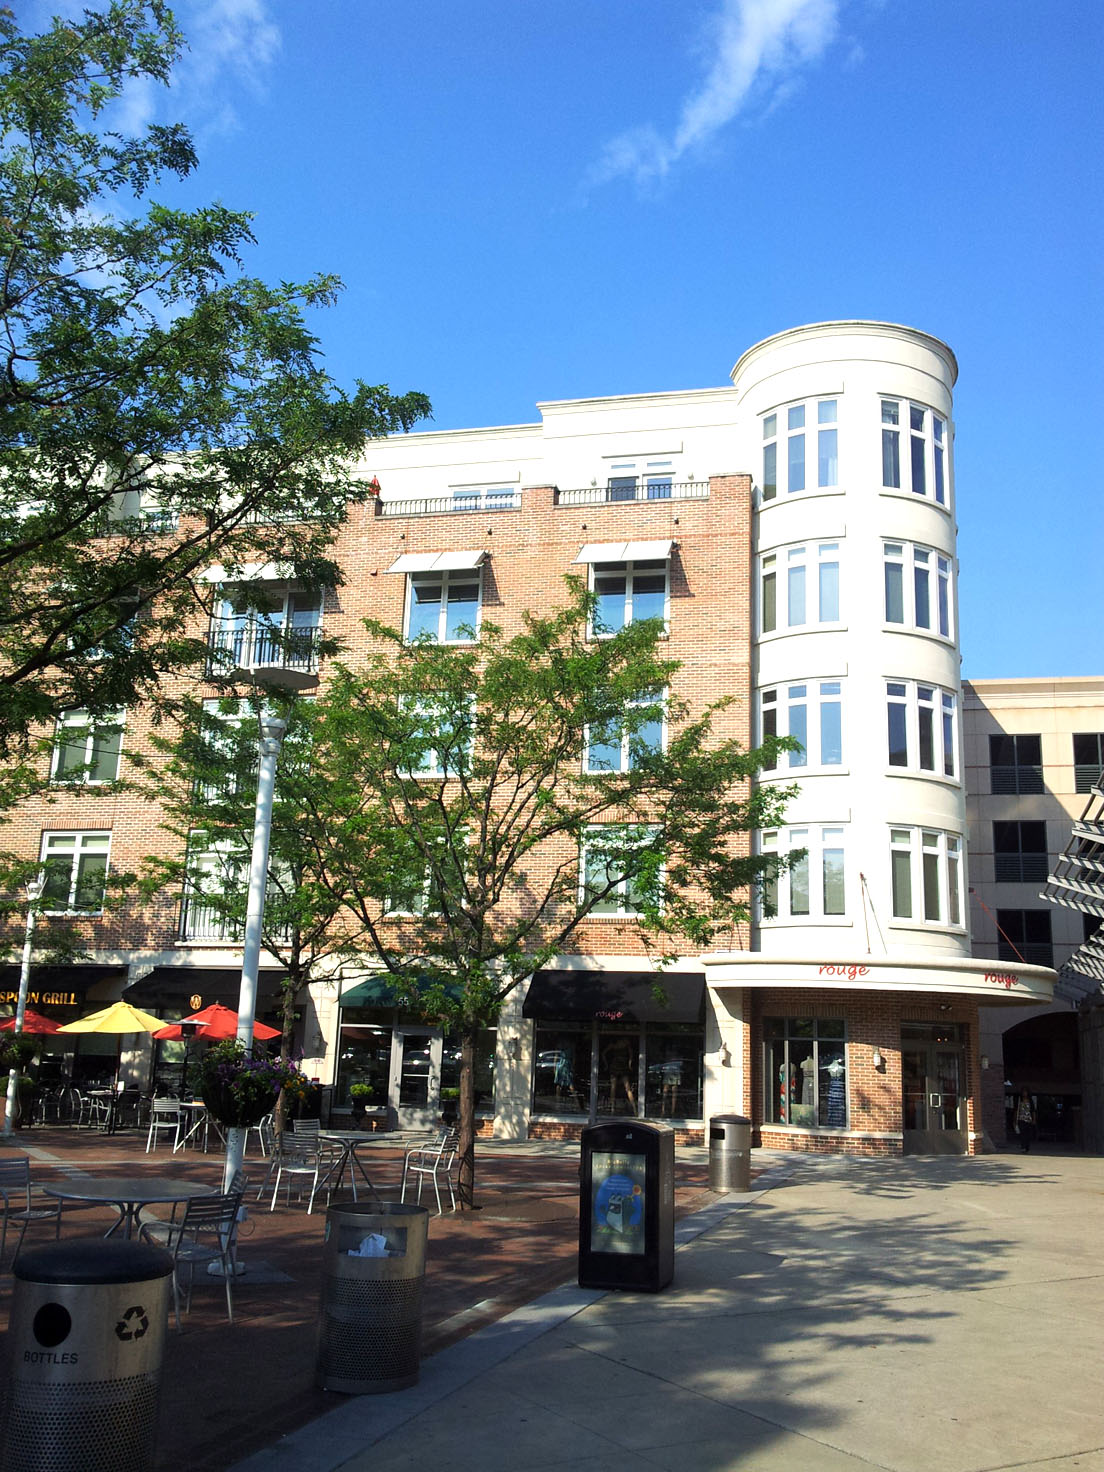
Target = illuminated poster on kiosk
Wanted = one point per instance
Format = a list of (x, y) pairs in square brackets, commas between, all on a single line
[(617, 1202)]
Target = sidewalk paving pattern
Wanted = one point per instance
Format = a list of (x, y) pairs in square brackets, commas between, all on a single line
[(942, 1314)]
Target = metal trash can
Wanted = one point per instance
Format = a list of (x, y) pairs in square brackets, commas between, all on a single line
[(85, 1345), (373, 1274), (729, 1153)]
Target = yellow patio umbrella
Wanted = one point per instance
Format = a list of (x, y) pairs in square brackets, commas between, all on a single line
[(120, 1018)]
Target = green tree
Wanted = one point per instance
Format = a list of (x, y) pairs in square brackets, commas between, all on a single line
[(454, 789), (160, 411)]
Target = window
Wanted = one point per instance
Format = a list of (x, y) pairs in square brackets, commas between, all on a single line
[(610, 850), (1088, 759), (618, 745), (926, 876), (221, 869), (440, 739), (805, 1072), (1020, 852), (86, 748), (1024, 935), (484, 498), (75, 867), (444, 607), (266, 625), (813, 887), (811, 712), (809, 594), (632, 480), (787, 439), (917, 588), (922, 468), (627, 592), (922, 727), (1015, 764)]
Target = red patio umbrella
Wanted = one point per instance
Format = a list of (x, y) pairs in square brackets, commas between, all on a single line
[(214, 1023), (32, 1022)]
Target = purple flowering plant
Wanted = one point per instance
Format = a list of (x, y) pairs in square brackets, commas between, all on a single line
[(240, 1089)]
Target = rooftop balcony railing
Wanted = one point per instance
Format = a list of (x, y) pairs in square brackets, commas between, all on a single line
[(460, 502), (654, 490)]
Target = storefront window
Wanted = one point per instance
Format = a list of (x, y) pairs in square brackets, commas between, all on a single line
[(651, 1070), (484, 1073), (806, 1071), (674, 1073), (364, 1057), (561, 1082)]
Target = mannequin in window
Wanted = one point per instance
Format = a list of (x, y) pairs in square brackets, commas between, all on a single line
[(836, 1108), (619, 1061), (808, 1069)]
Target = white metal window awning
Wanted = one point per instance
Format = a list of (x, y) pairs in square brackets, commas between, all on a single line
[(464, 561), (249, 572), (625, 551)]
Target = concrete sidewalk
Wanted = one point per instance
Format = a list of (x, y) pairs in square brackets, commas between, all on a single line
[(942, 1314)]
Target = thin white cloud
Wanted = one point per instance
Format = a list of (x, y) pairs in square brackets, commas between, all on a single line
[(755, 45)]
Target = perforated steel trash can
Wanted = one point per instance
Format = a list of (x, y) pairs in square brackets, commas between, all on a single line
[(370, 1329), (729, 1153), (85, 1344)]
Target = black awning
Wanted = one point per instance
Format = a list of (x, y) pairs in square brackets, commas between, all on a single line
[(173, 986), (616, 996), (57, 986)]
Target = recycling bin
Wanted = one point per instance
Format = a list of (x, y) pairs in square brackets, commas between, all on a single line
[(373, 1276), (627, 1206), (86, 1340), (729, 1153)]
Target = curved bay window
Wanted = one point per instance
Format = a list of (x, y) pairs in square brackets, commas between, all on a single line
[(805, 1072)]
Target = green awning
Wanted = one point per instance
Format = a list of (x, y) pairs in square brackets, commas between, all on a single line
[(383, 991)]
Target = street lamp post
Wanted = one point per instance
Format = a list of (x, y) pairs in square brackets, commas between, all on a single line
[(272, 736), (34, 894)]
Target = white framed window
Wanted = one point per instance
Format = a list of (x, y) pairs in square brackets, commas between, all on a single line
[(87, 748), (800, 448), (216, 866), (442, 737), (75, 870), (270, 624), (618, 745), (640, 480), (813, 887), (926, 876), (811, 711), (602, 868), (922, 727), (627, 592), (485, 498), (799, 587), (444, 607), (918, 588), (914, 450)]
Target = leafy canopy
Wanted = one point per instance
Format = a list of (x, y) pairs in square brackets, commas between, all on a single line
[(159, 410)]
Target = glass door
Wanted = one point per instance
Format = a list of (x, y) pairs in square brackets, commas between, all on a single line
[(933, 1071), (415, 1077)]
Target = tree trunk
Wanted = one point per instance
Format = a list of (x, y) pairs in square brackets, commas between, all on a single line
[(466, 1183), (288, 1023)]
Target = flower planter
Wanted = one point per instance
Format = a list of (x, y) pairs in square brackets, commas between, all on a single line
[(225, 1106)]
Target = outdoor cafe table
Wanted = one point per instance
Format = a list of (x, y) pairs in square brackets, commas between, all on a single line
[(199, 1127), (349, 1142), (128, 1194)]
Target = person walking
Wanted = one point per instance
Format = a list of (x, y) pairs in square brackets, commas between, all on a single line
[(1025, 1119)]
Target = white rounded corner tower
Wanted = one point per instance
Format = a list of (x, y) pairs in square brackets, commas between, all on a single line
[(858, 995)]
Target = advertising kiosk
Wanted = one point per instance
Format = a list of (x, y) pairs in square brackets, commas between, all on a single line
[(627, 1206)]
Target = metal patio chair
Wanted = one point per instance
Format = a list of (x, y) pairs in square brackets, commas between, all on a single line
[(164, 1120), (301, 1161), (437, 1161), (205, 1233), (19, 1203)]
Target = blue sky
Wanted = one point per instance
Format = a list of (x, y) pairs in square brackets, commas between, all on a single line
[(547, 201)]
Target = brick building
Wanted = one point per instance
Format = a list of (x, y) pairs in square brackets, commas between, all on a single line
[(796, 530)]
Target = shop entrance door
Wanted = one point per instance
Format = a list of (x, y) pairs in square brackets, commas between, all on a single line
[(933, 1074), (415, 1077)]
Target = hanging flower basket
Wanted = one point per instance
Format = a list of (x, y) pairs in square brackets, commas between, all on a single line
[(239, 1090)]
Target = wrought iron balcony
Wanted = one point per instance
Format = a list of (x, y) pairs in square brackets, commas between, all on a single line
[(237, 644)]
